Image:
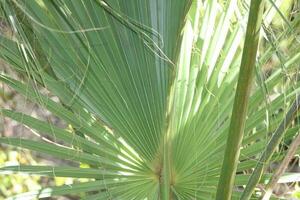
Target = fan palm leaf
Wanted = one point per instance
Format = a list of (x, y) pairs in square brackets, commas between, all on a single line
[(148, 89)]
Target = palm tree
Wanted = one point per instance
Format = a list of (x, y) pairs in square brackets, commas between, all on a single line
[(148, 89)]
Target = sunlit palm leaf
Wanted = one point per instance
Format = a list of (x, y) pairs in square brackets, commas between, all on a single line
[(150, 88)]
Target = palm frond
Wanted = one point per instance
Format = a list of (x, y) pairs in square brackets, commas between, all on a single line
[(147, 89)]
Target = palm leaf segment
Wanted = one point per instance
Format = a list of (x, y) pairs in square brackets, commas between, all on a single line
[(149, 91)]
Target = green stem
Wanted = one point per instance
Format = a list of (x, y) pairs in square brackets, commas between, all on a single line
[(269, 151), (239, 112), (166, 173)]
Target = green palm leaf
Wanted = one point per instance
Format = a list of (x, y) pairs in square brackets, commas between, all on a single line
[(147, 88)]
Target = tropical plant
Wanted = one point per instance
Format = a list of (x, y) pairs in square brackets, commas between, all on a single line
[(148, 90)]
